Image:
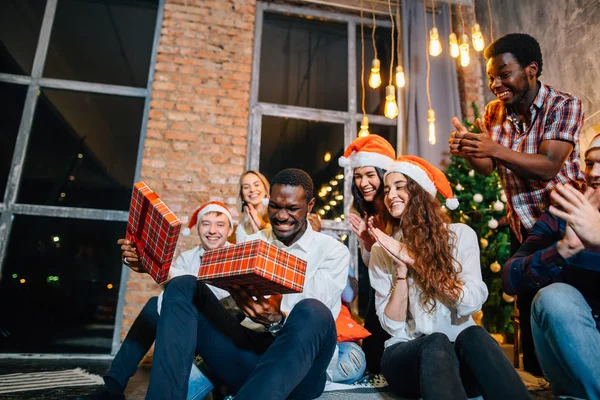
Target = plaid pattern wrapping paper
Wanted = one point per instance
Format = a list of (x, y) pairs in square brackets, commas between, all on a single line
[(154, 230), (269, 269)]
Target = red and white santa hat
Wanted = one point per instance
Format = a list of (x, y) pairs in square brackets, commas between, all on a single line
[(368, 151), (594, 144), (430, 178), (213, 206)]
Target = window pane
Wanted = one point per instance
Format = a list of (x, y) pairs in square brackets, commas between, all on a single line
[(304, 63), (388, 132), (293, 143), (20, 23), (82, 150), (12, 98), (374, 98), (102, 41), (63, 275)]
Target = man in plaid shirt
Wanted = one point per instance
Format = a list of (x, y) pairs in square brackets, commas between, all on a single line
[(559, 257), (531, 134), (288, 355)]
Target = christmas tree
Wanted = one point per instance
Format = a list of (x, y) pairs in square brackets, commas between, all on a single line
[(483, 208)]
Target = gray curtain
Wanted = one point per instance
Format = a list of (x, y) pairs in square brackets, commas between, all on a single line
[(443, 84)]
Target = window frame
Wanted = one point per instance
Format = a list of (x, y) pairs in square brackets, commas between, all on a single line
[(350, 118), (35, 82)]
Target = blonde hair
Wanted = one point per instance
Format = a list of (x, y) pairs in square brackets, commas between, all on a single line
[(244, 222)]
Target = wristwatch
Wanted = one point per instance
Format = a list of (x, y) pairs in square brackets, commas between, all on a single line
[(275, 327)]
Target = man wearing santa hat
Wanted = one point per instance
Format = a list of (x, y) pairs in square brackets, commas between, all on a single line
[(562, 256), (214, 225), (288, 357)]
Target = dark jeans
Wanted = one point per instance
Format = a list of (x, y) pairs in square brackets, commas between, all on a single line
[(138, 341), (432, 367), (524, 300), (374, 345), (255, 365)]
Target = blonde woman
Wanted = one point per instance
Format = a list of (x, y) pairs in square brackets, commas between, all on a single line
[(252, 200)]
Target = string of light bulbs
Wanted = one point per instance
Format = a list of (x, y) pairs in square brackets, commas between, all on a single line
[(463, 48), (391, 107), (400, 78), (375, 76), (476, 35), (430, 112), (452, 39), (435, 46), (364, 123)]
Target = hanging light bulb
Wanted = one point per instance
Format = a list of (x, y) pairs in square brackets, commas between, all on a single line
[(364, 127), (477, 37), (431, 120), (435, 46), (375, 77), (391, 108), (453, 45), (464, 50), (400, 78)]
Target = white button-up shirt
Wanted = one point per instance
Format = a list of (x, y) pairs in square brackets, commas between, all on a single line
[(327, 262), (450, 321), (188, 263)]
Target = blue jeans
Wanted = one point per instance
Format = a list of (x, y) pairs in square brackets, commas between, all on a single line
[(254, 365), (567, 341), (138, 341), (432, 367), (351, 363)]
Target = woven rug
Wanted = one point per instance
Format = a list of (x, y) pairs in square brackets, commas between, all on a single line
[(23, 382)]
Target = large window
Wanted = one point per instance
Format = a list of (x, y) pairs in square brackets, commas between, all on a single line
[(306, 102), (75, 84)]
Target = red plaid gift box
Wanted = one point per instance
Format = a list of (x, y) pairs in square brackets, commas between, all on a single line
[(269, 269), (154, 229)]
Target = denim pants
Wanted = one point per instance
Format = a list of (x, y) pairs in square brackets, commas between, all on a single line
[(351, 363), (567, 341), (432, 367), (138, 341), (254, 365)]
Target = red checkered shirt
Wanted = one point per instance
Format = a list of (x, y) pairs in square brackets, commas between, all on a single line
[(554, 116)]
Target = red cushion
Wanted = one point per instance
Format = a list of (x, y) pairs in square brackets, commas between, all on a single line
[(348, 330)]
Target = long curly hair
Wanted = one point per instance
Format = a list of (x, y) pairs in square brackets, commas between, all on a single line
[(424, 230)]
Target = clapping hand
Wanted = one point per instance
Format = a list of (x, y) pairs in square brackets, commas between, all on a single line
[(393, 247), (359, 227), (257, 223), (581, 213)]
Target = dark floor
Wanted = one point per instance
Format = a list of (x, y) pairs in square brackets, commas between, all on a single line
[(136, 389)]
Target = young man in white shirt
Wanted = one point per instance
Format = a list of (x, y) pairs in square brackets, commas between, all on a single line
[(214, 225), (289, 355)]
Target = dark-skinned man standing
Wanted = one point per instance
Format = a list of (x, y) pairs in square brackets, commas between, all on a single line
[(530, 133), (288, 355)]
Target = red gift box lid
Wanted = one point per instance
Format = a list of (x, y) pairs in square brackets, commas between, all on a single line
[(269, 269), (154, 230)]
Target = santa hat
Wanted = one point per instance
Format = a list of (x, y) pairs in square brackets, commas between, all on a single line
[(368, 151), (213, 206), (430, 178), (594, 144)]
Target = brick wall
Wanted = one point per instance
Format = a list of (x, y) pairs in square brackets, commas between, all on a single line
[(195, 147)]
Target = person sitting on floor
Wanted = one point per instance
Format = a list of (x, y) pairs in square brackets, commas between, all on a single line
[(562, 257), (214, 224), (290, 353), (427, 279)]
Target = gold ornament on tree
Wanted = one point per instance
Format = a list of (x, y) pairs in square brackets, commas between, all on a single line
[(507, 298), (495, 267), (484, 242)]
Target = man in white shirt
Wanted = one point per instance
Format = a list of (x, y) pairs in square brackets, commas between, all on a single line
[(289, 355), (214, 225)]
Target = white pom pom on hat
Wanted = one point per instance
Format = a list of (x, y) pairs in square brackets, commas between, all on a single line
[(432, 179), (213, 206)]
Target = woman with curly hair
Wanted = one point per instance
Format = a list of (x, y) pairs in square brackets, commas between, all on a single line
[(253, 199), (427, 279), (369, 157)]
